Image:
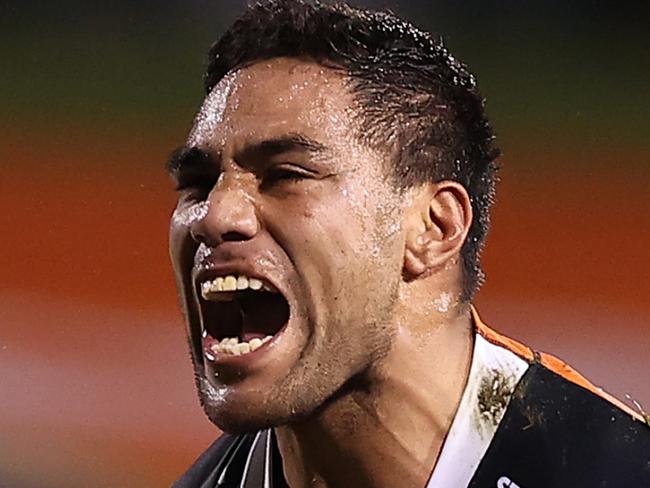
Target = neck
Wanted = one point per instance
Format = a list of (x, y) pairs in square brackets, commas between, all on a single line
[(388, 428)]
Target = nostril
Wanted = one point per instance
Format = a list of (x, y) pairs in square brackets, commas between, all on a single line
[(212, 237), (234, 236), (199, 236)]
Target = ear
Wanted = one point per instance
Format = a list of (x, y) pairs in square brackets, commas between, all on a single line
[(436, 227)]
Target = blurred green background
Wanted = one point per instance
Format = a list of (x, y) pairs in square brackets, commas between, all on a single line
[(565, 70), (95, 383)]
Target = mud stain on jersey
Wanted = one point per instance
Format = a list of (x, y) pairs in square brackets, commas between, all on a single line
[(494, 392)]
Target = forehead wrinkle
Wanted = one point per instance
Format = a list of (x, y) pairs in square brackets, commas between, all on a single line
[(291, 141)]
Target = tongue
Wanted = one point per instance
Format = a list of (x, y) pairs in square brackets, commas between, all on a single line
[(264, 314), (249, 336)]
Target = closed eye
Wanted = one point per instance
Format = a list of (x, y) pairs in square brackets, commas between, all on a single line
[(289, 174), (195, 182), (195, 185), (193, 170)]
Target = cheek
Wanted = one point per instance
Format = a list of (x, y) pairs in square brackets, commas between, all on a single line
[(333, 223), (181, 251), (325, 241), (328, 228)]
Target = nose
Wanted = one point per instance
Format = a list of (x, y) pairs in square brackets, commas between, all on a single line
[(231, 214)]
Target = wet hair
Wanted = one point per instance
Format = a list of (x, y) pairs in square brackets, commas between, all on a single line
[(416, 99)]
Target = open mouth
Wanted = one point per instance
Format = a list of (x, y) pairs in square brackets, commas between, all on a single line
[(241, 314)]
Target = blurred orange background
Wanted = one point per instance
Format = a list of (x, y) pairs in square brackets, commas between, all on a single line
[(96, 385)]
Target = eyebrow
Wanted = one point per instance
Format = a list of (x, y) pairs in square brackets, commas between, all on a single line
[(186, 157)]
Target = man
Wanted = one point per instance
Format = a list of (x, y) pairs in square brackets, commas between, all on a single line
[(334, 196)]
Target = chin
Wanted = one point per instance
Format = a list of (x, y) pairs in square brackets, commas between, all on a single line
[(235, 412), (238, 419)]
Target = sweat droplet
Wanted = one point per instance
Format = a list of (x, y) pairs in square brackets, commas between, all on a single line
[(202, 254), (444, 302), (192, 214), (213, 109)]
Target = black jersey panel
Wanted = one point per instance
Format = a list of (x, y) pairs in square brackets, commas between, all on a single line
[(228, 453), (558, 434)]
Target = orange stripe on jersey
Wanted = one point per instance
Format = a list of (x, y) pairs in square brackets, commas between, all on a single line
[(494, 337), (567, 372), (550, 362)]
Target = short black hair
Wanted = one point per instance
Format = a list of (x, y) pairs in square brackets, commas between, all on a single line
[(415, 96)]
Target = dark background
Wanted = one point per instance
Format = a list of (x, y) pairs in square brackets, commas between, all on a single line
[(95, 383)]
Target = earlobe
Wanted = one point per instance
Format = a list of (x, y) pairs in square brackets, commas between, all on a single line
[(437, 227), (414, 265)]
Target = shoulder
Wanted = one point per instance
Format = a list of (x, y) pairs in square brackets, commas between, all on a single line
[(549, 363), (556, 432), (561, 430)]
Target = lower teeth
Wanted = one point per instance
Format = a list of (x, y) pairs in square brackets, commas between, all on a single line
[(233, 347)]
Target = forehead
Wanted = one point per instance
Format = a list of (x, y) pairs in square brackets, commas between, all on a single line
[(276, 97)]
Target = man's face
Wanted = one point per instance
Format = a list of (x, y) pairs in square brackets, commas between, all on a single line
[(278, 190)]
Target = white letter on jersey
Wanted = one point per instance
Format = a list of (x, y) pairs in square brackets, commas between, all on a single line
[(505, 482)]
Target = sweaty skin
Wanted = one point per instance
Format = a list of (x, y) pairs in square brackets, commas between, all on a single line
[(363, 382)]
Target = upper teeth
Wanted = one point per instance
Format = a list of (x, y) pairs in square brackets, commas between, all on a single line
[(232, 283)]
